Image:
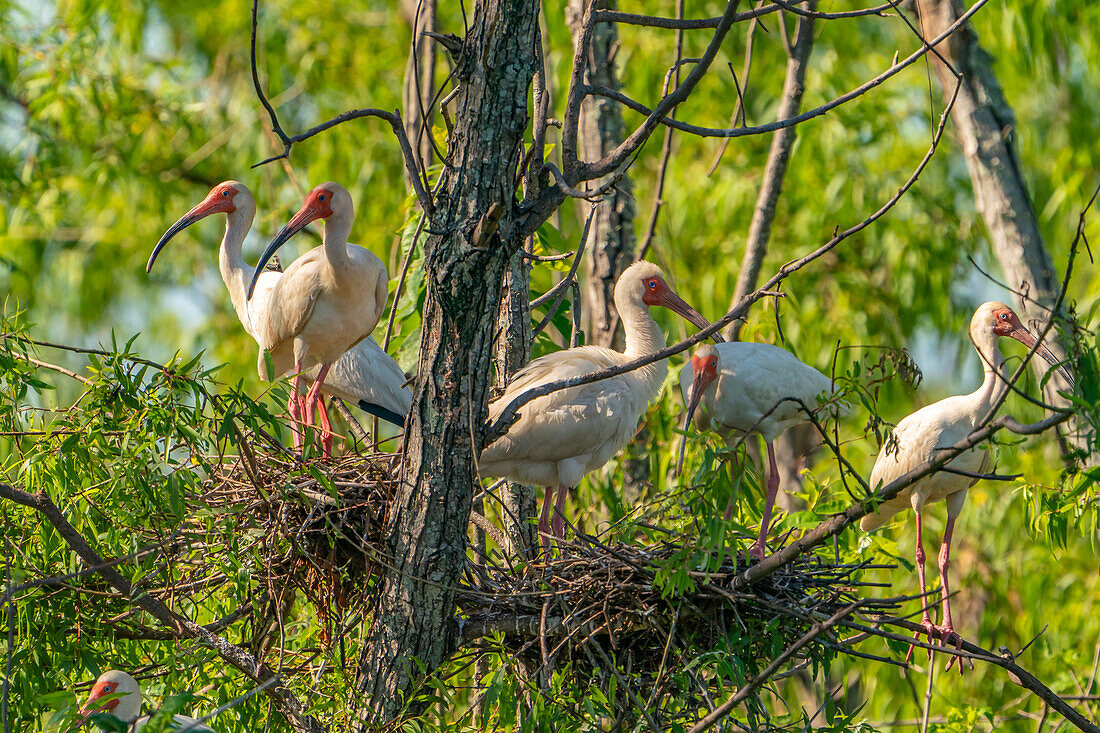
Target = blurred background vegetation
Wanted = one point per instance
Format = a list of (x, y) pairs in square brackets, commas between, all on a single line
[(116, 118)]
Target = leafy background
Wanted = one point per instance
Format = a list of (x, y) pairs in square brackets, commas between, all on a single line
[(115, 118)]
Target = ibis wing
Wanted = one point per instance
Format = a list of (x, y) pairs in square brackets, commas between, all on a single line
[(292, 302), (366, 373), (565, 423), (915, 441)]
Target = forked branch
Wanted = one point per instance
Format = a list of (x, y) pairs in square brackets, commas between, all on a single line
[(393, 118), (284, 700)]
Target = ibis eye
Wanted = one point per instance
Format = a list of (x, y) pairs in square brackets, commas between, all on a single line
[(321, 197), (652, 284), (1004, 316), (106, 688), (225, 194)]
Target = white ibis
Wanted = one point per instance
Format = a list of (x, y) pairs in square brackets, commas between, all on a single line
[(562, 436), (365, 375), (918, 437), (326, 302), (745, 388), (126, 702)]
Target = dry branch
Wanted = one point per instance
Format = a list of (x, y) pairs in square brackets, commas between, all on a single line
[(284, 700)]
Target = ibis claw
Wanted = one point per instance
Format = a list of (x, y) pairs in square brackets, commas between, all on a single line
[(946, 635)]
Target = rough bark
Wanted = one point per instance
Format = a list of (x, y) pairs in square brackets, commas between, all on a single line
[(611, 241), (419, 85), (984, 123), (513, 351), (465, 261)]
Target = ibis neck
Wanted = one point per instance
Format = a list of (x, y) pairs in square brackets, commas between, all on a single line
[(995, 383), (128, 708), (643, 337), (335, 239), (236, 273)]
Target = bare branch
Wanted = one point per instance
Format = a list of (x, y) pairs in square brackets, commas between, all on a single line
[(616, 157), (508, 415), (747, 689), (558, 291), (660, 113), (835, 524), (756, 244), (281, 696), (666, 148), (393, 118), (654, 21), (1016, 673)]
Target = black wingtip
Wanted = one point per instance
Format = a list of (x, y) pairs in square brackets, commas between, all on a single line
[(382, 413)]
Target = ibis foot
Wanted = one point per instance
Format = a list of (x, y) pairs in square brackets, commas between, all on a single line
[(946, 635)]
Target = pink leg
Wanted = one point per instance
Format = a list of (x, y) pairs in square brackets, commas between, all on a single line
[(760, 547), (296, 404), (557, 522), (544, 519), (326, 428), (735, 475), (314, 395), (947, 631), (925, 620)]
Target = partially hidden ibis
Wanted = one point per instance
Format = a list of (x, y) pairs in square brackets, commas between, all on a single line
[(739, 389), (365, 375), (118, 694)]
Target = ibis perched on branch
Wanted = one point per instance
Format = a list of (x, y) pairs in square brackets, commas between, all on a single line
[(326, 302), (918, 437), (739, 389), (119, 695), (365, 375), (560, 437)]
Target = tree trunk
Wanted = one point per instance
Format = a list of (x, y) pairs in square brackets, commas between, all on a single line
[(779, 155), (465, 261), (611, 238), (419, 86), (513, 352), (984, 122)]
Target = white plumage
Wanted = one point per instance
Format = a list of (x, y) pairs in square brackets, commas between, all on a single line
[(752, 389), (127, 708), (738, 388), (920, 436), (560, 437), (326, 302), (364, 375)]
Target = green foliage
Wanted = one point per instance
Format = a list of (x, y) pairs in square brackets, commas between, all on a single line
[(116, 119)]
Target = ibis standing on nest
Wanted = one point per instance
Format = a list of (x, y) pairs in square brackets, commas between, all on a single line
[(920, 436), (125, 702), (326, 302), (560, 437), (742, 388), (365, 375)]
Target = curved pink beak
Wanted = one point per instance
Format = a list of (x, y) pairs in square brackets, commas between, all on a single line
[(700, 380), (1028, 339)]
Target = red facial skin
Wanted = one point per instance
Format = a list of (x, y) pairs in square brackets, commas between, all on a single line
[(1007, 323), (657, 292), (101, 690), (318, 205), (218, 201)]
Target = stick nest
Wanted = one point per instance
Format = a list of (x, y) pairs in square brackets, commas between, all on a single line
[(623, 611)]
